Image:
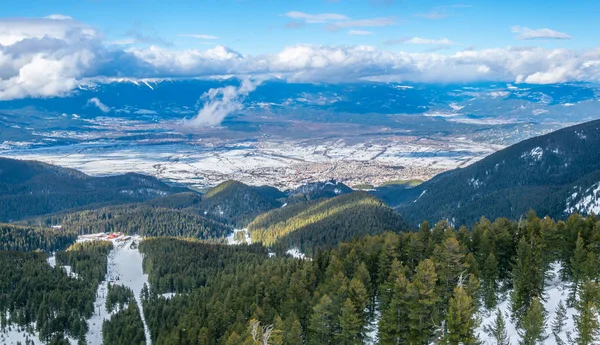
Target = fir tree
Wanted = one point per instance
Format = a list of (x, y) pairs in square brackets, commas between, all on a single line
[(350, 325), (461, 321), (393, 325), (578, 261), (321, 324), (586, 322), (497, 330), (533, 324), (489, 275), (528, 275), (421, 300), (559, 322), (293, 331)]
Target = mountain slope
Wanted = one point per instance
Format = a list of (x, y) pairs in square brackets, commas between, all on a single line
[(325, 222), (237, 203), (555, 174), (30, 188)]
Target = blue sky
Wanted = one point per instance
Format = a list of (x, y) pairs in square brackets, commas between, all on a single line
[(261, 26), (49, 48)]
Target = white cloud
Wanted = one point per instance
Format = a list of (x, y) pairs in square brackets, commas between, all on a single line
[(50, 57), (315, 18), (200, 36), (96, 102), (360, 32), (125, 41), (525, 33), (58, 16), (221, 102), (419, 40), (374, 22)]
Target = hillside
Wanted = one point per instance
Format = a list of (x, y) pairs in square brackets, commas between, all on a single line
[(325, 222), (555, 174), (317, 190), (141, 219), (237, 203), (30, 188)]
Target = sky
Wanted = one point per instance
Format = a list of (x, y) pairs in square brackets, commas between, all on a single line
[(47, 48)]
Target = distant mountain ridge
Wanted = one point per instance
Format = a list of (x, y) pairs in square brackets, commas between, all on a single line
[(555, 174), (30, 188)]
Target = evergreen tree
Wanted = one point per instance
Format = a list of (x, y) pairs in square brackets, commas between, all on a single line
[(533, 324), (578, 261), (559, 322), (421, 302), (394, 325), (350, 325), (586, 322), (497, 330), (461, 320), (322, 322), (293, 331), (489, 275), (528, 275)]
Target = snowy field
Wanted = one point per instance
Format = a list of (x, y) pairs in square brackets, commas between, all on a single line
[(289, 163)]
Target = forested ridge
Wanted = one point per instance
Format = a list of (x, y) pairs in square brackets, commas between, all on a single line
[(544, 173), (140, 219), (325, 222), (427, 286), (238, 204), (26, 238), (30, 188)]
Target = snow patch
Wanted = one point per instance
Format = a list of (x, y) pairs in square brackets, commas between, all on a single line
[(234, 238), (587, 202), (555, 291), (536, 154), (296, 253), (423, 193)]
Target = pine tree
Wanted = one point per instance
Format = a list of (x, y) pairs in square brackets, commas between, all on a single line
[(497, 330), (528, 275), (421, 301), (293, 331), (461, 321), (321, 323), (559, 322), (393, 325), (533, 324), (586, 322), (578, 261), (489, 275), (350, 325)]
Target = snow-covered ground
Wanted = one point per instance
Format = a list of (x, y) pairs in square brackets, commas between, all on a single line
[(555, 291), (234, 238), (296, 253), (287, 164), (13, 335), (124, 268), (372, 334)]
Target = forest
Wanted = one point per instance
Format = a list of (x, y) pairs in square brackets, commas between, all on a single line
[(48, 299), (324, 222), (427, 286)]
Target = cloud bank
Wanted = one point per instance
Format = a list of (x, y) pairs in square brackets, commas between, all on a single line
[(52, 56)]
